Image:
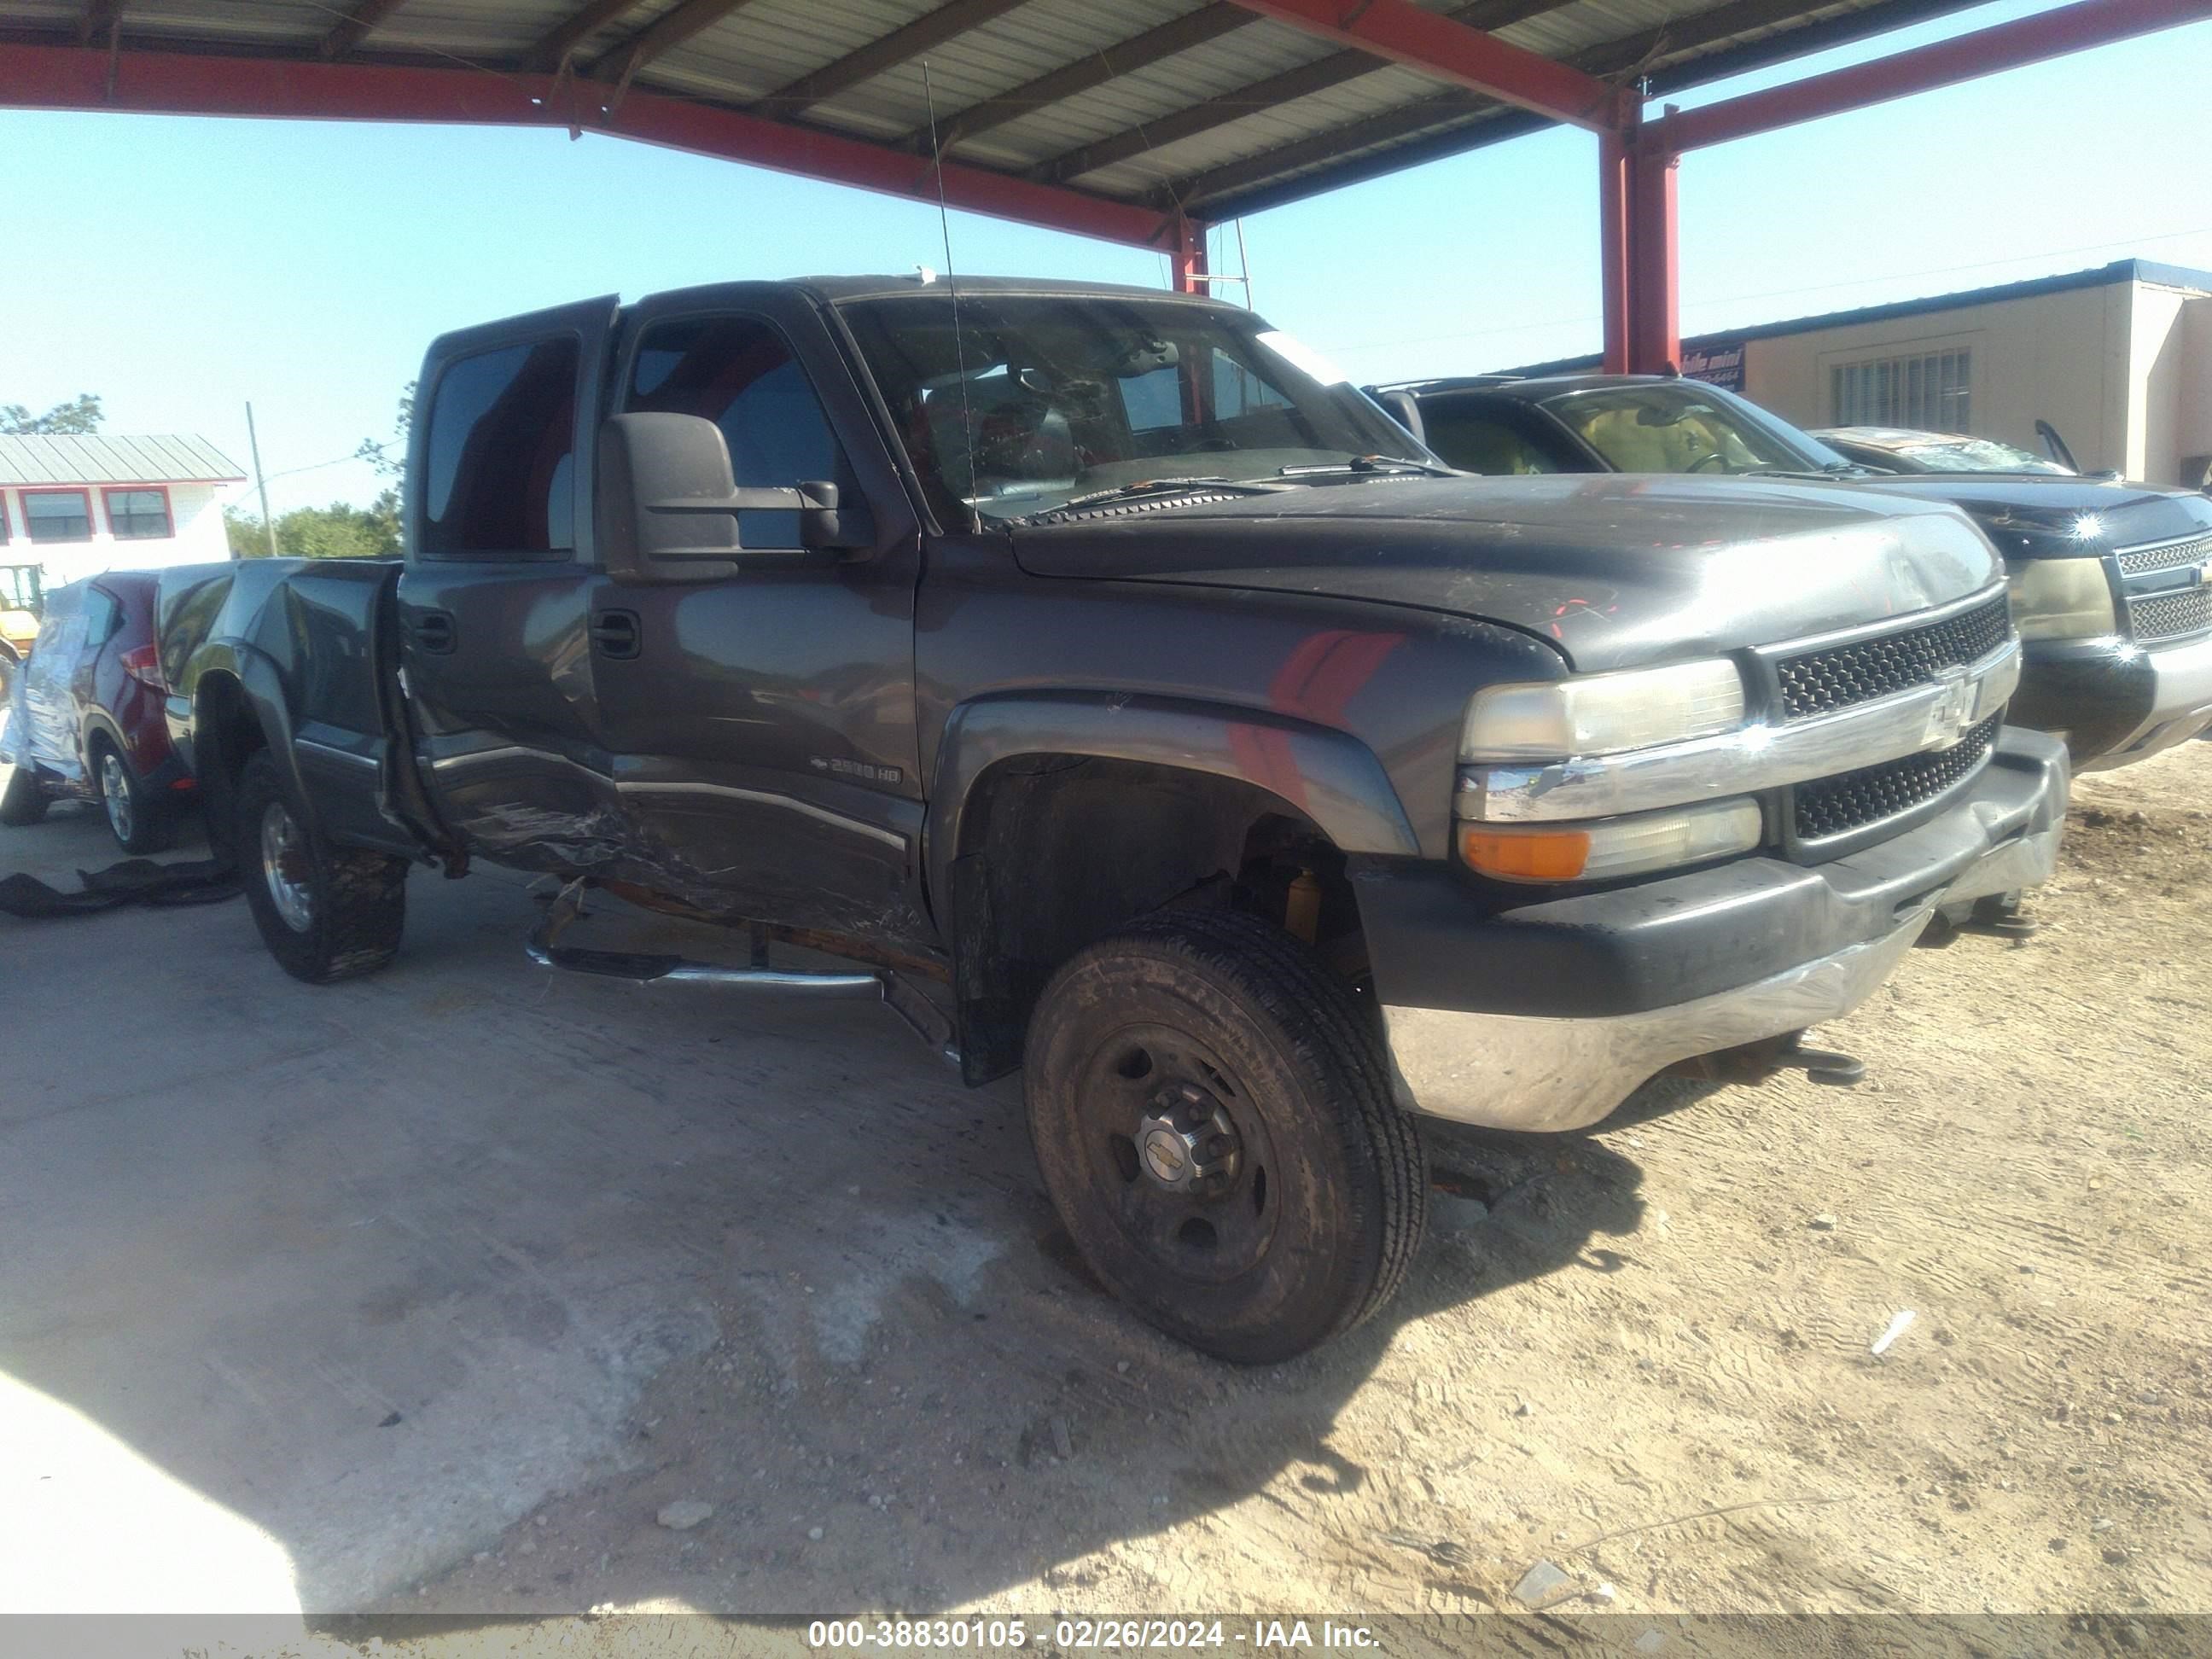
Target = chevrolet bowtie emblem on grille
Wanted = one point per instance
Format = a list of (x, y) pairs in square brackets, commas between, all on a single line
[(1954, 709)]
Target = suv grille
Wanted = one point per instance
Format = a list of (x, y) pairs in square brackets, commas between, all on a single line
[(2149, 561), (1821, 681), (1852, 800), (2167, 616)]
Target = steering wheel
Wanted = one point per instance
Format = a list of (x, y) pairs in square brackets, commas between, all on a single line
[(1708, 460)]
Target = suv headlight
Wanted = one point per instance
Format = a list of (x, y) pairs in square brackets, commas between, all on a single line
[(1602, 714), (2062, 600)]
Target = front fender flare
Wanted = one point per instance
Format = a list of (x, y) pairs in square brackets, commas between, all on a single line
[(1331, 776)]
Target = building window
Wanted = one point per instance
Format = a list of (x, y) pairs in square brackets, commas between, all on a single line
[(58, 515), (3, 521), (135, 515), (1931, 393)]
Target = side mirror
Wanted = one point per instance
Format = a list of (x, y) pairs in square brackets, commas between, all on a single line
[(665, 495)]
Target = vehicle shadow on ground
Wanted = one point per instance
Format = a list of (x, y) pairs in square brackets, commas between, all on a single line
[(450, 1280)]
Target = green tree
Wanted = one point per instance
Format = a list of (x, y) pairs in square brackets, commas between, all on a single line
[(81, 414), (340, 531), (390, 458)]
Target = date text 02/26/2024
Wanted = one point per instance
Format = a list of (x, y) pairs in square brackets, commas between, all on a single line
[(1088, 1635)]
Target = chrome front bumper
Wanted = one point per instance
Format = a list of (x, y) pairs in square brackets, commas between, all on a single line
[(1515, 1071), (1553, 1070), (2181, 705)]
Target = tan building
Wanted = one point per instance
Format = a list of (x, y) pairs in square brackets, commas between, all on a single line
[(2118, 360)]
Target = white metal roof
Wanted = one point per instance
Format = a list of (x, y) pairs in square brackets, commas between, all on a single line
[(1196, 105), (168, 458)]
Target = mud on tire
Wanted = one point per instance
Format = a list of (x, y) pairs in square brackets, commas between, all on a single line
[(330, 913), (1212, 1116)]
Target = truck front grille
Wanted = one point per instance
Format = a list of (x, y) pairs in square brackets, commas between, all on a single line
[(2169, 616), (1820, 681), (2149, 561), (1852, 800)]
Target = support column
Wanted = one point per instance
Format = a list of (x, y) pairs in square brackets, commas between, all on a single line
[(1189, 257), (1655, 327), (1613, 247)]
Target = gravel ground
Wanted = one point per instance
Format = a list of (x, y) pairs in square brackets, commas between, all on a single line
[(1641, 1354)]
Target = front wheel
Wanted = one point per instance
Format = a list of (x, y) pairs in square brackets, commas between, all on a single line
[(1214, 1119), (325, 913)]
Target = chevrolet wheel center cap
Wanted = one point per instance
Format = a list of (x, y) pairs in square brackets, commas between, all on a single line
[(1165, 1153)]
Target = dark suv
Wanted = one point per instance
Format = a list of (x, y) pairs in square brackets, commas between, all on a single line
[(86, 718), (2111, 581)]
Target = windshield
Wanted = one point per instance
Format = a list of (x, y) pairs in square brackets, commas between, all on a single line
[(1048, 398), (1681, 426), (1975, 455)]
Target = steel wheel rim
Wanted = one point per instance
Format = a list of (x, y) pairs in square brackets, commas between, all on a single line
[(284, 867), (1236, 1216), (115, 793)]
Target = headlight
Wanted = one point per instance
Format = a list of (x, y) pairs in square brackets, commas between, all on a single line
[(2062, 600), (1603, 849), (1602, 714)]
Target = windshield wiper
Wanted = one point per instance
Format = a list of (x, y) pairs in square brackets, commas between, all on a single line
[(1365, 464), (1161, 487)]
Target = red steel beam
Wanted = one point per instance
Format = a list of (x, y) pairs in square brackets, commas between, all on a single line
[(1924, 68), (1404, 34), (1613, 248), (1655, 310), (1189, 257), (188, 83)]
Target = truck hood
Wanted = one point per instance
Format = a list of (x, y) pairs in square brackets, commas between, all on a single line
[(1616, 570), (2035, 514)]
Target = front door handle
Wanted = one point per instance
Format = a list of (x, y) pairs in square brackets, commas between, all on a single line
[(615, 633), (433, 630)]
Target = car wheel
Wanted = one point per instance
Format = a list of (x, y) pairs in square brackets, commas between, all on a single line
[(1213, 1116), (139, 821), (325, 913), (22, 801)]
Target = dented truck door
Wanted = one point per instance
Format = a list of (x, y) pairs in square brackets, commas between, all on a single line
[(761, 710), (496, 597)]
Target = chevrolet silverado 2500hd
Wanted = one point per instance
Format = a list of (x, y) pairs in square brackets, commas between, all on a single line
[(1248, 779)]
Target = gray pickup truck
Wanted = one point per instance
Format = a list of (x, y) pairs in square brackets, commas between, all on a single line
[(1130, 703)]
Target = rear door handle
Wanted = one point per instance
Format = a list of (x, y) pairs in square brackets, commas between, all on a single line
[(615, 633), (433, 630)]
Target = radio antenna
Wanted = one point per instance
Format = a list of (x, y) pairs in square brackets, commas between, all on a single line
[(952, 281)]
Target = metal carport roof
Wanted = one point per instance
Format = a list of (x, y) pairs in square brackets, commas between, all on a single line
[(1139, 121)]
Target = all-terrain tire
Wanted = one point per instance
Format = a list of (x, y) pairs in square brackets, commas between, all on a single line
[(1221, 1021), (349, 906), (139, 819)]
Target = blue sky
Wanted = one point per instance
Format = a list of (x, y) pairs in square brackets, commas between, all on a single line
[(193, 264)]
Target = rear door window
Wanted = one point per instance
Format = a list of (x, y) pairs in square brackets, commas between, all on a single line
[(499, 466), (102, 617)]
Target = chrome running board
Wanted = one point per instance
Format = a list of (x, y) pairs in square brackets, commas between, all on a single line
[(886, 985)]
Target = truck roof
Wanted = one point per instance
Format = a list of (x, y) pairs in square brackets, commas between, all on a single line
[(838, 289)]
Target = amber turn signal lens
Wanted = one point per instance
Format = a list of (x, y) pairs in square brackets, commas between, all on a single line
[(1524, 855)]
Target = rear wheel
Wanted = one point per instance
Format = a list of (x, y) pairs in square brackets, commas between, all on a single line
[(325, 913), (139, 820), (22, 801), (1213, 1119)]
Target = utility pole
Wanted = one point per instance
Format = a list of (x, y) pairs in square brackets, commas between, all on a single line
[(253, 443)]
